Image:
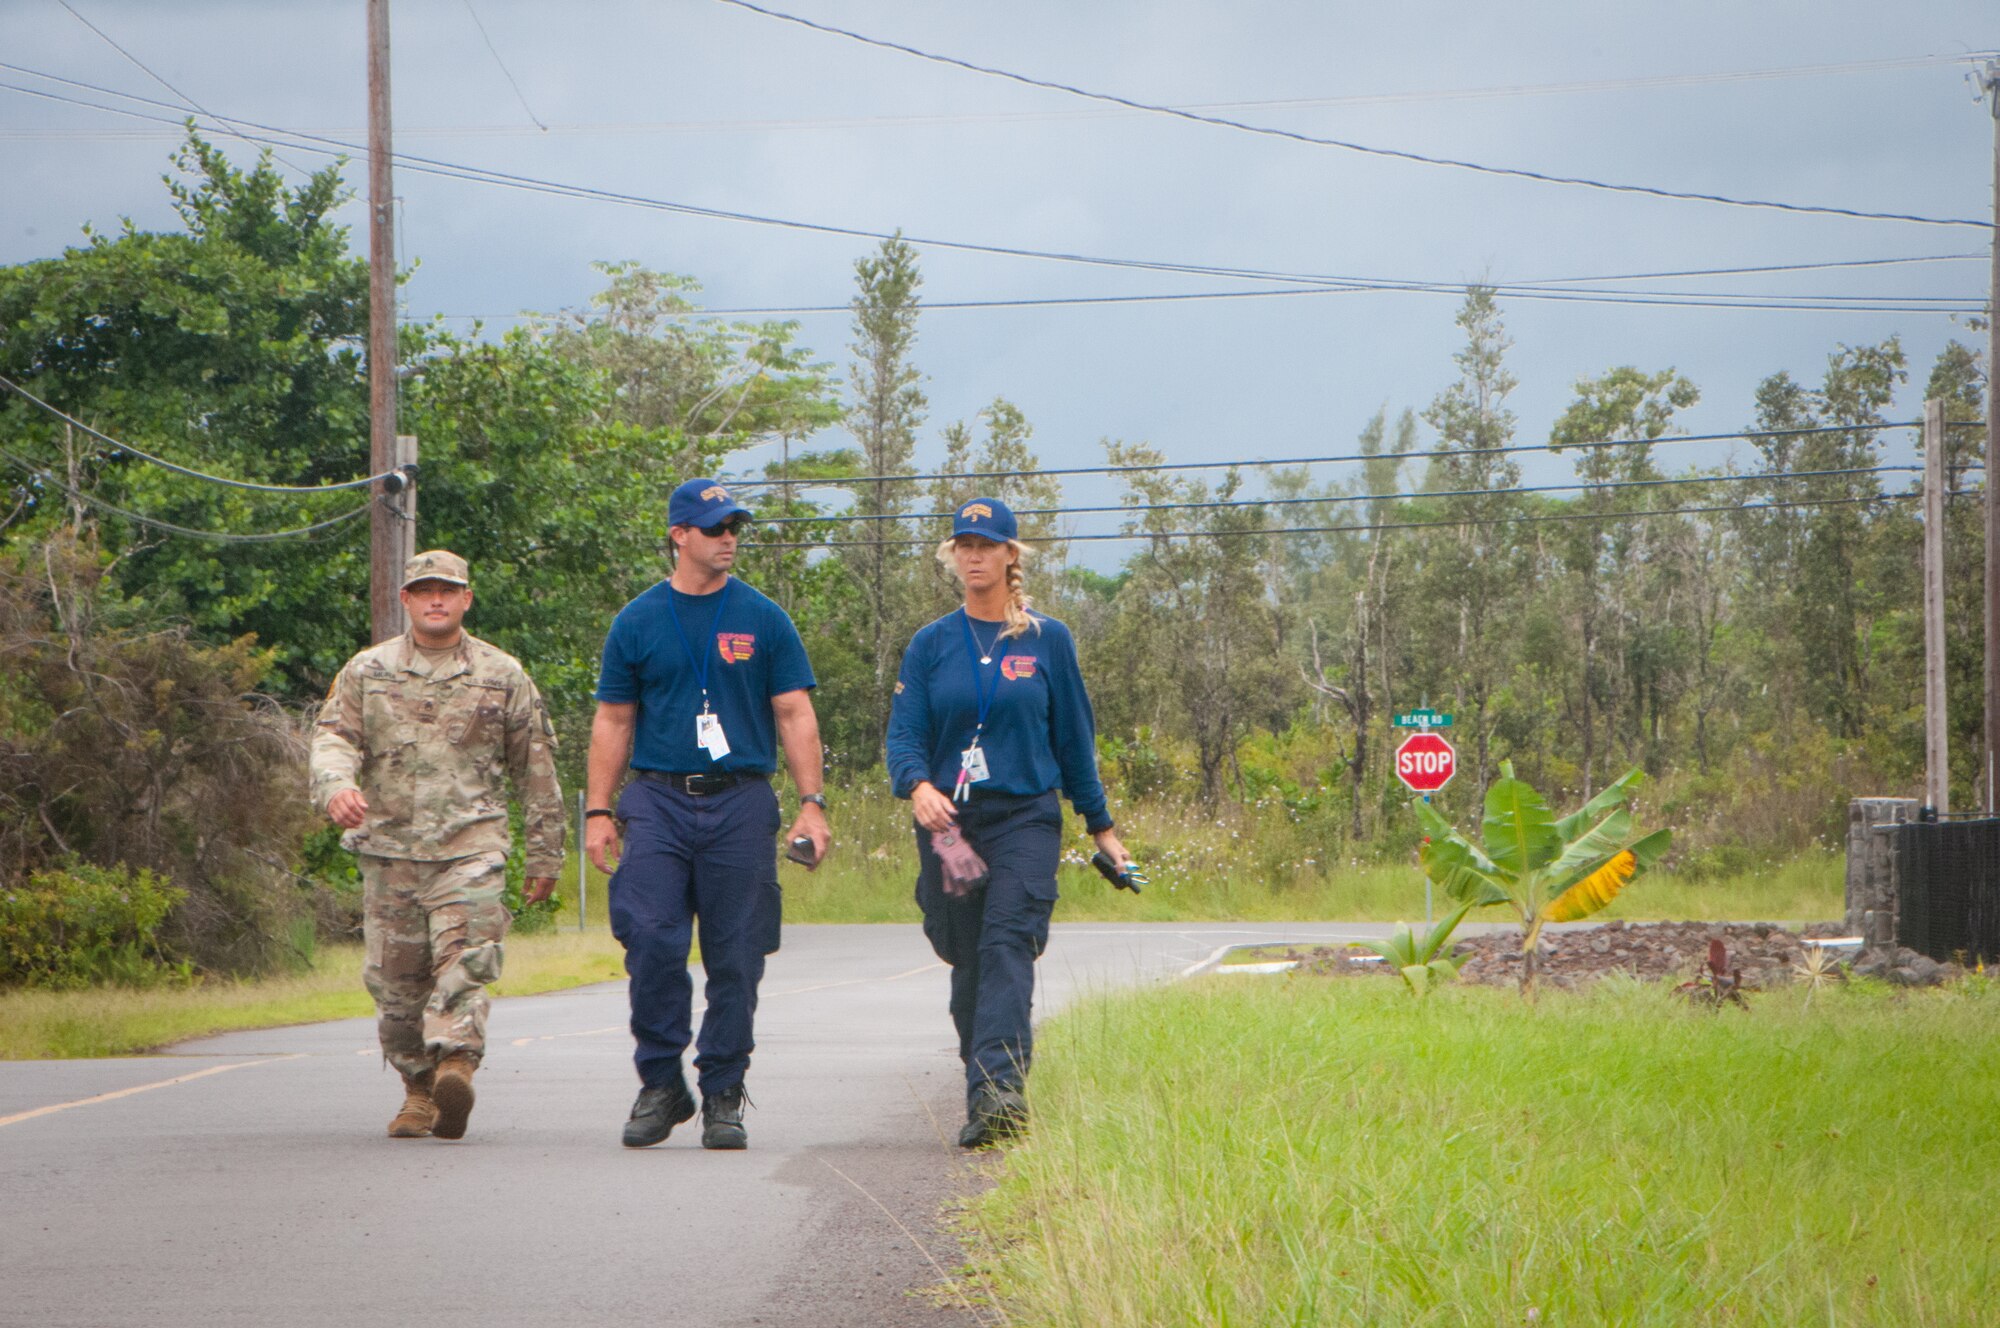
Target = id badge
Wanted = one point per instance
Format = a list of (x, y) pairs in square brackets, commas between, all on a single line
[(973, 762), (708, 734)]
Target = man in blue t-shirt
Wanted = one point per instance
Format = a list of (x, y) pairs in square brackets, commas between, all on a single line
[(702, 679)]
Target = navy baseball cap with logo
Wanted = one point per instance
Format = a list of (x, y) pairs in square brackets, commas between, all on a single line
[(703, 503), (988, 518)]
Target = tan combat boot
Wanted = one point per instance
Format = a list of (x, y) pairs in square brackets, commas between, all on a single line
[(452, 1092), (419, 1113)]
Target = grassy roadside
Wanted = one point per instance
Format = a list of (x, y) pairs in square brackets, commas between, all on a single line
[(1309, 1152), (116, 1021), (859, 884)]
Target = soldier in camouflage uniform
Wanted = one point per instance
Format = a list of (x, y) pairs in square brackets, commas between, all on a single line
[(416, 741)]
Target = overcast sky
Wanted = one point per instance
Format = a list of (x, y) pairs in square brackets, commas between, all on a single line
[(700, 102)]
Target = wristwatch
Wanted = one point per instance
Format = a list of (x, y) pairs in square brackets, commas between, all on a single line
[(816, 799)]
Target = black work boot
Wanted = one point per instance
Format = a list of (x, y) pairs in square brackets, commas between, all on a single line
[(996, 1112), (722, 1119), (656, 1113)]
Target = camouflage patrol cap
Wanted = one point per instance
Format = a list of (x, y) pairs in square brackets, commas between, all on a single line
[(436, 565)]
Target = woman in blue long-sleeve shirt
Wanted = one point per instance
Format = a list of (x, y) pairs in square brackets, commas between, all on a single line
[(989, 719)]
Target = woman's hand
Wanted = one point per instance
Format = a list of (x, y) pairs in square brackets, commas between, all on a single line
[(933, 809), (1108, 841)]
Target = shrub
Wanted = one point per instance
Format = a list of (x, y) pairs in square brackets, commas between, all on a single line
[(76, 924)]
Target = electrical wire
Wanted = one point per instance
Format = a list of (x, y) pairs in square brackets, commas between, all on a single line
[(495, 51), (1344, 457), (840, 518), (766, 125), (1398, 154), (1365, 527), (46, 476), (529, 184), (149, 72), (1914, 304), (165, 464)]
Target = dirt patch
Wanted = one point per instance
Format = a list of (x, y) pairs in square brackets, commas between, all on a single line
[(1764, 953)]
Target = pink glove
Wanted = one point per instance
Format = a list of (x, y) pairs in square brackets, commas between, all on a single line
[(963, 868)]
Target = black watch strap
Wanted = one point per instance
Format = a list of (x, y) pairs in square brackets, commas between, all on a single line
[(598, 811), (816, 799)]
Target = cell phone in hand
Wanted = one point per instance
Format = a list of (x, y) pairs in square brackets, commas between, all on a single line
[(801, 851), (1129, 879)]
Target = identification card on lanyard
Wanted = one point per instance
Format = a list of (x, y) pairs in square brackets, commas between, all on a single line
[(708, 734), (972, 761)]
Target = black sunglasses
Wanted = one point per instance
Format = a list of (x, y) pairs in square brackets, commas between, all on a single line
[(733, 526)]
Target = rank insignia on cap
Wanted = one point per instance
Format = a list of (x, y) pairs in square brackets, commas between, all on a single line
[(736, 646), (1017, 666), (973, 511), (713, 492)]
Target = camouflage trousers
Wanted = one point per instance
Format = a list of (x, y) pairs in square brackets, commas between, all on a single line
[(434, 933)]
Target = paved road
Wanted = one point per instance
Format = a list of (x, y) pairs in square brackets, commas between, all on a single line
[(259, 1188)]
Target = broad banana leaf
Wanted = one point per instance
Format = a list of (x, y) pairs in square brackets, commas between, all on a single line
[(1519, 830), (1435, 939), (1463, 873), (1593, 891), (1615, 794), (1399, 948), (1588, 850), (1646, 850)]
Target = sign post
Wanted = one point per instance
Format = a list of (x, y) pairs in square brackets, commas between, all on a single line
[(1425, 763)]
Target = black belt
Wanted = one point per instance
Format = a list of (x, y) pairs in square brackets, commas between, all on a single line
[(699, 784)]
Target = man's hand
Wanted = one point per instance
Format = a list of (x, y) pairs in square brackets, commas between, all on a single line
[(933, 809), (537, 888), (812, 825), (348, 809), (601, 844)]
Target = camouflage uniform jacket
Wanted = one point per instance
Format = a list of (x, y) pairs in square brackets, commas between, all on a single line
[(431, 748)]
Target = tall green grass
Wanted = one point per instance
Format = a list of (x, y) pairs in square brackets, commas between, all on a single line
[(117, 1021), (1299, 1152)]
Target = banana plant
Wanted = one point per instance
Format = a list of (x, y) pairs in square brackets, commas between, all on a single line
[(1544, 867), (1417, 958)]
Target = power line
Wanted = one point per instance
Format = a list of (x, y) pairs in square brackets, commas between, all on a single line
[(770, 124), (484, 36), (841, 518), (1912, 304), (837, 482), (183, 470), (1346, 145), (1365, 527), (46, 476), (529, 184), (149, 72)]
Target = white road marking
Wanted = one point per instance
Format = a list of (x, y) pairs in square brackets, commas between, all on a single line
[(144, 1088)]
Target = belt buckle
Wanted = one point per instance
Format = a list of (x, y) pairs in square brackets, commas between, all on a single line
[(689, 783)]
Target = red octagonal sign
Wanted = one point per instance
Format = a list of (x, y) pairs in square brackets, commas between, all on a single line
[(1425, 762)]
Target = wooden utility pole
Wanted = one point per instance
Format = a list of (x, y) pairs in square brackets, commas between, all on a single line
[(392, 530), (1991, 84), (1937, 761)]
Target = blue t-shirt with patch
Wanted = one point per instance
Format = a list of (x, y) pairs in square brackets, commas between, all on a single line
[(1039, 732), (751, 651)]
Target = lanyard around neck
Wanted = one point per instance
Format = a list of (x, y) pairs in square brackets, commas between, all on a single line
[(980, 690), (697, 659)]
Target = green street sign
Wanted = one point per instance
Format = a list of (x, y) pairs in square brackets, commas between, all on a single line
[(1422, 719)]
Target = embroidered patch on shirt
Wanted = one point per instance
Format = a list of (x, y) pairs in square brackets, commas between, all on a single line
[(1017, 666), (736, 646)]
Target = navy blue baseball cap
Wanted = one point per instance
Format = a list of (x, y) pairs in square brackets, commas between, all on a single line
[(704, 503), (988, 518)]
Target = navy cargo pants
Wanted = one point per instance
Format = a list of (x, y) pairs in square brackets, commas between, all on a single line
[(992, 937), (706, 860)]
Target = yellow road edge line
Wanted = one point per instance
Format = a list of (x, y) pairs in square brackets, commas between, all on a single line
[(20, 1116)]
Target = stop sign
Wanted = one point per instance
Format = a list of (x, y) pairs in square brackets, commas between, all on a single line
[(1425, 762)]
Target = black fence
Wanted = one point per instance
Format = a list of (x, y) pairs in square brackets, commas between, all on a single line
[(1948, 889)]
